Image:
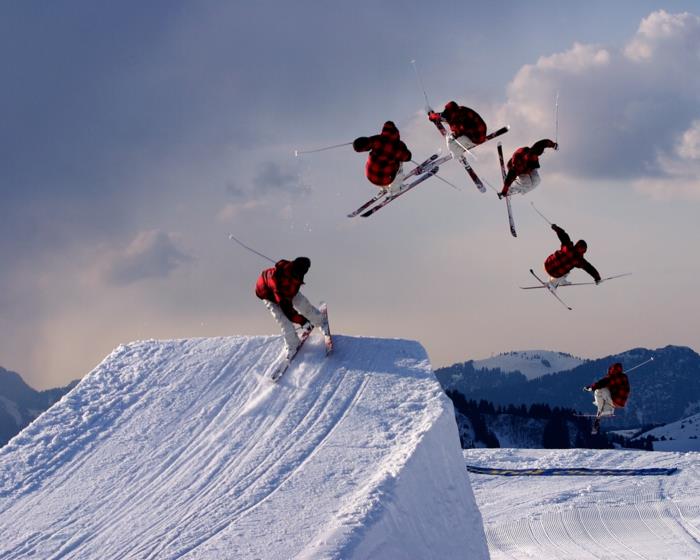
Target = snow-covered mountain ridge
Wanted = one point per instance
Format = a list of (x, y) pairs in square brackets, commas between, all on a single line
[(531, 363), (20, 404), (182, 449)]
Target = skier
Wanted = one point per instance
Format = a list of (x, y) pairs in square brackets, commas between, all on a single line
[(569, 256), (278, 287), (466, 125), (610, 392), (386, 154), (523, 165)]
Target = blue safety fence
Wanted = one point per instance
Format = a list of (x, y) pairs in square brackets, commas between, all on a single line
[(574, 471)]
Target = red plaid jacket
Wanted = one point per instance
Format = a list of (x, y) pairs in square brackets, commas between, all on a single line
[(464, 121), (568, 257), (386, 152), (524, 160), (618, 384), (279, 285)]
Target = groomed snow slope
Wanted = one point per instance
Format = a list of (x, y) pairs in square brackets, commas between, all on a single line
[(589, 517), (182, 449)]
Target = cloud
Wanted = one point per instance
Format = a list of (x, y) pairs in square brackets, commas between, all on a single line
[(273, 184), (627, 114), (152, 254)]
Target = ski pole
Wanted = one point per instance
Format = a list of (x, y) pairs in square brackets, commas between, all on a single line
[(540, 213), (233, 238), (420, 82), (556, 119), (297, 152), (640, 365)]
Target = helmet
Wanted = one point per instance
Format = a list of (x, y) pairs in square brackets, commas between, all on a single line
[(300, 266)]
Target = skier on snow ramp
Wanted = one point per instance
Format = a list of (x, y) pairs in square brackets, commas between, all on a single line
[(278, 287)]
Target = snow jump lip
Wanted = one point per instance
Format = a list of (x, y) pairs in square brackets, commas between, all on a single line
[(576, 471)]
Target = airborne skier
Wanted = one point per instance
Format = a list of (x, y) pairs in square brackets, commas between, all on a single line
[(386, 155), (610, 392), (467, 127), (523, 165), (569, 256), (278, 287)]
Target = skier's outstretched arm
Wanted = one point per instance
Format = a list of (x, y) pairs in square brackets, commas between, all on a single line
[(508, 181), (562, 235), (362, 144), (539, 146), (588, 267)]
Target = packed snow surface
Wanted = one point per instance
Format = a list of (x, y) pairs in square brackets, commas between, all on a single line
[(581, 517), (531, 363), (183, 449)]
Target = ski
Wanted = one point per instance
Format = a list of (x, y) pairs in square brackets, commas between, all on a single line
[(325, 328), (284, 364), (501, 131), (511, 221), (550, 289), (418, 170), (404, 189), (578, 283), (479, 184)]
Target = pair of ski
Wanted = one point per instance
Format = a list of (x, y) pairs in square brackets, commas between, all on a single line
[(511, 221), (285, 362), (424, 171), (552, 287)]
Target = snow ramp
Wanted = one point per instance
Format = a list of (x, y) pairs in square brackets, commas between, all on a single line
[(183, 449)]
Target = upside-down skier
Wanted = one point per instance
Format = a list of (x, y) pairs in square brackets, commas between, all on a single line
[(523, 165), (609, 393), (467, 127), (569, 256), (278, 287), (387, 152)]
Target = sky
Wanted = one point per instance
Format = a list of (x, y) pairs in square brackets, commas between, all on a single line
[(136, 137)]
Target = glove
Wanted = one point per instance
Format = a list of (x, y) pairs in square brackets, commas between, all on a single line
[(433, 116), (598, 281), (556, 146), (555, 227), (588, 388)]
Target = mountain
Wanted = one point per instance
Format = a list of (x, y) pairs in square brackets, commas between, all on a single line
[(184, 448), (682, 435), (20, 404), (530, 363), (663, 391)]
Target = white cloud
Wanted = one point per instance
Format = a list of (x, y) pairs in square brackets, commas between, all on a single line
[(627, 114)]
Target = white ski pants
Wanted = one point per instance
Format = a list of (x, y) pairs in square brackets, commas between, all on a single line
[(603, 400), (393, 187), (304, 307), (524, 183), (457, 145)]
